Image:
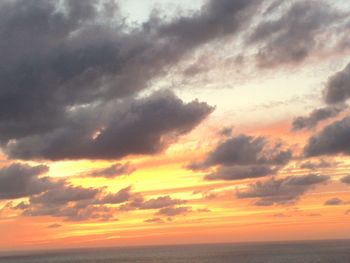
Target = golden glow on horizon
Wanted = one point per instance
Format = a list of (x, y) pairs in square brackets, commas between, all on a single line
[(165, 175)]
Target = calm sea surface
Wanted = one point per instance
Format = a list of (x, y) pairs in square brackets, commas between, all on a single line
[(292, 252)]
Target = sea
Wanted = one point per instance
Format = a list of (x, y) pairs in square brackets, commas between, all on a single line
[(276, 252)]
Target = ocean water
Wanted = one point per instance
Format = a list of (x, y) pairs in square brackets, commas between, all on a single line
[(287, 252)]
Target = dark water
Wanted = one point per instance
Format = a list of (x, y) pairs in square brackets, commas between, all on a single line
[(292, 252)]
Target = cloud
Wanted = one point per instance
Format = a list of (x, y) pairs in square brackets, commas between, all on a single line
[(294, 35), (155, 203), (205, 210), (226, 131), (174, 211), (76, 213), (281, 191), (247, 150), (121, 196), (206, 194), (264, 203), (5, 208), (75, 203), (333, 139), (63, 193), (281, 215), (346, 179), (274, 5), (54, 226), (334, 201), (143, 126), (21, 180), (154, 220), (315, 117), (316, 165), (65, 64), (160, 202), (240, 172), (314, 214), (201, 65), (54, 58), (112, 171), (166, 206), (242, 150), (22, 206), (240, 157), (215, 20), (337, 89)]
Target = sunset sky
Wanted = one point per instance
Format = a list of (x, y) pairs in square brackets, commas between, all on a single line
[(142, 122)]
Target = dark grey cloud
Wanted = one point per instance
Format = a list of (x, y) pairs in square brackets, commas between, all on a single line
[(306, 180), (264, 203), (241, 172), (206, 194), (294, 35), (59, 198), (143, 126), (343, 42), (63, 193), (76, 203), (155, 203), (316, 165), (174, 211), (52, 60), (226, 131), (62, 59), (154, 220), (247, 150), (73, 212), (241, 150), (215, 20), (334, 201), (21, 180), (281, 191), (205, 210), (22, 206), (201, 65), (72, 203), (337, 89), (54, 226), (243, 156), (166, 206), (346, 179), (119, 197), (274, 5), (315, 117), (115, 170), (160, 202), (333, 139)]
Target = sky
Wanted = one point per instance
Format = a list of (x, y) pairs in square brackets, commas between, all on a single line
[(127, 123)]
